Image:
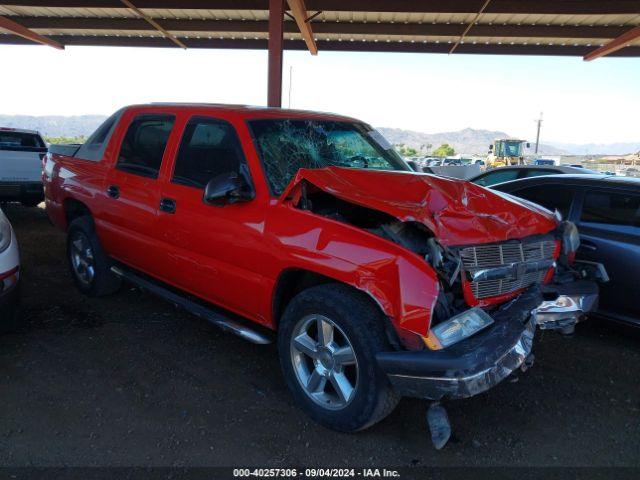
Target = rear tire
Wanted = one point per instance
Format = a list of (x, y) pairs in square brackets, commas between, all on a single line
[(90, 267), (333, 375)]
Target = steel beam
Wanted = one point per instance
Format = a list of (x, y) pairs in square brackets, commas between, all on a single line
[(276, 42), (299, 12), (153, 23), (346, 28), (471, 24), (251, 44), (622, 41), (24, 32)]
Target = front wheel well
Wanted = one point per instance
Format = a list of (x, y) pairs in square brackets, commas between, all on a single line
[(294, 281), (290, 283)]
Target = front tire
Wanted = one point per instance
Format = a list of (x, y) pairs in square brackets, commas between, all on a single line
[(327, 341), (90, 267)]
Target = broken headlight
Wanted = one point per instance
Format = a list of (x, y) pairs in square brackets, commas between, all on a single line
[(461, 326)]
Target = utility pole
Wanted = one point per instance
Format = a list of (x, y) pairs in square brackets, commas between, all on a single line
[(538, 134), (290, 84)]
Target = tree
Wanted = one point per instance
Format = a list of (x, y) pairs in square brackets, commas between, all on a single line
[(444, 150), (406, 151), (65, 140)]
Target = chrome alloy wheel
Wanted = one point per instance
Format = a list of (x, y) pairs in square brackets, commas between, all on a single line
[(324, 361), (82, 259)]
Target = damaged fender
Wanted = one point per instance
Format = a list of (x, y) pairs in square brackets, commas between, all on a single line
[(403, 285)]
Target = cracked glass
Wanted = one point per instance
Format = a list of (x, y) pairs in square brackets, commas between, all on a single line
[(286, 146)]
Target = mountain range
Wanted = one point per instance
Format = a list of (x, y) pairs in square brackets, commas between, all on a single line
[(55, 125), (468, 140)]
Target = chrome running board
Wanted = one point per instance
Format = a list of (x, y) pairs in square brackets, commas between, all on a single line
[(192, 307)]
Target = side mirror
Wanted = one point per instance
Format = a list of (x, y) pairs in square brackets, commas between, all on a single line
[(227, 188), (528, 145)]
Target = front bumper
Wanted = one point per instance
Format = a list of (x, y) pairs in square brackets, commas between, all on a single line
[(567, 306), (485, 359)]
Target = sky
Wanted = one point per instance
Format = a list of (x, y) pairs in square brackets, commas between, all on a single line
[(582, 102)]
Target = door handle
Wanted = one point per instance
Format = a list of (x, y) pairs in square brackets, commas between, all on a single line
[(168, 205), (113, 191)]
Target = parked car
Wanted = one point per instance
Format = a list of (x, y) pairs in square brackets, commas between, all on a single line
[(21, 155), (606, 210), (9, 276), (376, 281), (505, 174)]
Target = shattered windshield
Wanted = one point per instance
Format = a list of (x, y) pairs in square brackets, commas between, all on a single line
[(286, 146)]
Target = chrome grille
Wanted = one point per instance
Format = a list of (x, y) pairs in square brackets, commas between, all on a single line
[(501, 254)]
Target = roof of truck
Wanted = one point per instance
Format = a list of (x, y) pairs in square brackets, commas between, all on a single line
[(255, 111)]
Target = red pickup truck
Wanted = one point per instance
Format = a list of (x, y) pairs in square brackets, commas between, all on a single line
[(309, 228)]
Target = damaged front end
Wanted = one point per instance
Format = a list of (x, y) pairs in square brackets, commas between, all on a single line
[(517, 285), (502, 270)]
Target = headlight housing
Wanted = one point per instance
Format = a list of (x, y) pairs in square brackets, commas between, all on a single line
[(461, 326), (5, 232)]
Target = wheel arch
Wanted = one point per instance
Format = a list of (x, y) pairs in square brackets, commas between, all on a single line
[(293, 281), (74, 209)]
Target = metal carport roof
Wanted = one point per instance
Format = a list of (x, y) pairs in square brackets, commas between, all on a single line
[(587, 28), (527, 27)]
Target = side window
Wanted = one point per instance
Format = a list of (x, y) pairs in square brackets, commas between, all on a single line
[(144, 143), (209, 147), (551, 197), (611, 208), (497, 176), (93, 149)]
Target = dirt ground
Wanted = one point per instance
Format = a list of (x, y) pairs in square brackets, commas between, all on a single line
[(128, 380)]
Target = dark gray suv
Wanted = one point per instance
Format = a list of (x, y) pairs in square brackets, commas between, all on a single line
[(607, 212)]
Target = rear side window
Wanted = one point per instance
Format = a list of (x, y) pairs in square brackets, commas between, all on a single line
[(93, 149), (21, 141), (611, 208), (144, 143), (551, 197), (497, 176), (209, 147)]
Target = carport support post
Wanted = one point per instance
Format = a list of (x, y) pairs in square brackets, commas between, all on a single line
[(276, 19)]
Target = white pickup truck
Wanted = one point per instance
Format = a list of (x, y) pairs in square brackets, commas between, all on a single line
[(9, 276), (21, 154)]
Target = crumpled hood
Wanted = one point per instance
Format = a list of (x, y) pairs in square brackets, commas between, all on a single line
[(456, 211)]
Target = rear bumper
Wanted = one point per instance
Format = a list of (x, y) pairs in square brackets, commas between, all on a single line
[(21, 191), (485, 359)]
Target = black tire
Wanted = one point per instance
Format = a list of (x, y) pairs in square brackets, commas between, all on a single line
[(103, 281), (360, 321)]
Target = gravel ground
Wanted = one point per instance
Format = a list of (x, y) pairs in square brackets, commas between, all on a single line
[(128, 380)]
